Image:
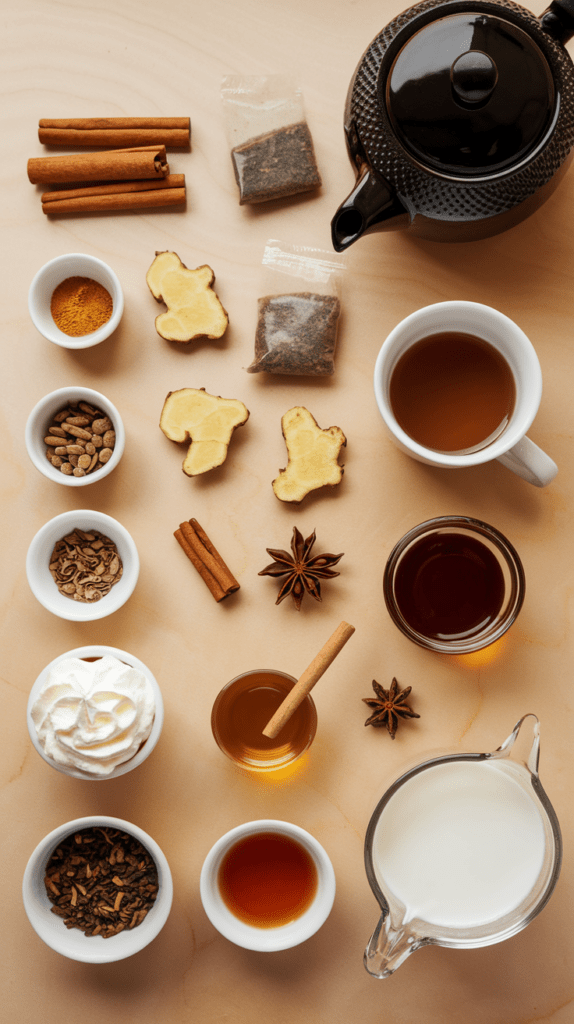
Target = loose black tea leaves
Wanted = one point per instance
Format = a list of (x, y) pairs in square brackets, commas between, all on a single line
[(296, 334), (277, 164), (269, 140), (101, 880)]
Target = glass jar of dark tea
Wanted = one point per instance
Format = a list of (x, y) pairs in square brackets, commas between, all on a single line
[(243, 708), (453, 584)]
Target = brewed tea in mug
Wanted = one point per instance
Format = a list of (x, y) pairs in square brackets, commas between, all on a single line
[(452, 392)]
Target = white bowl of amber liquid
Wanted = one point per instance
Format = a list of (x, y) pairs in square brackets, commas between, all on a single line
[(93, 653), (243, 708), (72, 942)]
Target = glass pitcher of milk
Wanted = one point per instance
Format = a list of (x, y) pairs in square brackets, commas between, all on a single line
[(463, 850)]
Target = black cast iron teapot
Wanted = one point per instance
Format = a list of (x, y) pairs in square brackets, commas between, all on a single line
[(459, 120)]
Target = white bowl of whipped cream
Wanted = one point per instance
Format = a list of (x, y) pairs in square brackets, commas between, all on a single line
[(95, 713)]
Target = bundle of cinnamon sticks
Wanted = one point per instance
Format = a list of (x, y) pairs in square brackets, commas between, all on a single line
[(136, 177), (206, 559)]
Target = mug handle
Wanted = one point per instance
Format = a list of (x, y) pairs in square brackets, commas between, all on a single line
[(528, 461)]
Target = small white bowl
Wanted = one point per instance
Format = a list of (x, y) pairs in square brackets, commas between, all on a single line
[(98, 651), (267, 940), (72, 942), (41, 418), (72, 264), (38, 565)]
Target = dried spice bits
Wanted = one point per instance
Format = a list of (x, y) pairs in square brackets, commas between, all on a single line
[(80, 439), (389, 706), (101, 880), (278, 164), (85, 566), (296, 334), (301, 571), (80, 306)]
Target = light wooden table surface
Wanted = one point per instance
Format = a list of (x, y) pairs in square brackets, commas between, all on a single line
[(142, 58)]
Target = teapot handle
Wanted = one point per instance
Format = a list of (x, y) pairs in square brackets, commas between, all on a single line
[(558, 20), (532, 758)]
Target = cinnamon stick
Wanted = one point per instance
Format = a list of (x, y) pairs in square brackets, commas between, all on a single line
[(307, 681), (125, 195), (215, 588), (114, 131), (206, 559), (114, 165)]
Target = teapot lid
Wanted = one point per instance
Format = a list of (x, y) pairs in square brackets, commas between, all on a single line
[(470, 94)]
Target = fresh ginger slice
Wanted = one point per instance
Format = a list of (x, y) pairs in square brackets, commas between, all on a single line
[(313, 455), (193, 309), (208, 421)]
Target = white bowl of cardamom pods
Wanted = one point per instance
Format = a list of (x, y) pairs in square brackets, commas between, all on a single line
[(62, 883), (76, 301), (75, 436)]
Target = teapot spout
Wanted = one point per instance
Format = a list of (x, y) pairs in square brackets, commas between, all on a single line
[(389, 947), (372, 205)]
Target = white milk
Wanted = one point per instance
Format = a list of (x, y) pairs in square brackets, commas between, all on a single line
[(460, 844)]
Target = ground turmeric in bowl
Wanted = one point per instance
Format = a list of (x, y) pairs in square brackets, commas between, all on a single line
[(80, 305)]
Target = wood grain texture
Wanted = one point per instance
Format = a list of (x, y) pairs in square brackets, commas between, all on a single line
[(137, 57)]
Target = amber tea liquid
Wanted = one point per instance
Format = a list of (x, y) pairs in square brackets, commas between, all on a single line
[(267, 879), (452, 392), (242, 710), (449, 586)]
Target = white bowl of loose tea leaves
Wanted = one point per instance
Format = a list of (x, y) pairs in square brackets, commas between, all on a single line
[(75, 436), (76, 301), (97, 889), (82, 565)]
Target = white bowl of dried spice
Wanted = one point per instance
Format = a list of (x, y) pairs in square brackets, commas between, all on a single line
[(75, 436), (95, 713), (82, 565), (76, 300), (97, 889)]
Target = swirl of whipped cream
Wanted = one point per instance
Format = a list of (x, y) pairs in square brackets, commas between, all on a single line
[(95, 715)]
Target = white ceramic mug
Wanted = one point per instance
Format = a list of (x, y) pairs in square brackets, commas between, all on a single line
[(512, 448), (267, 939)]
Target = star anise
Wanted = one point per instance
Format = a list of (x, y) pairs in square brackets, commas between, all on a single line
[(302, 573), (389, 706)]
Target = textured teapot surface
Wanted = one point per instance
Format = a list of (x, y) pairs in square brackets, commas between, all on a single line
[(466, 148)]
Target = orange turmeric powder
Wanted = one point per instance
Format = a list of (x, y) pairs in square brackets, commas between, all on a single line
[(80, 306)]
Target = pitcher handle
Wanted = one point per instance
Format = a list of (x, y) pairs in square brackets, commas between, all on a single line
[(528, 461), (532, 759), (389, 947)]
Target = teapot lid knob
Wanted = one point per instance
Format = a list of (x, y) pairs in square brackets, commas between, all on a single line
[(473, 77)]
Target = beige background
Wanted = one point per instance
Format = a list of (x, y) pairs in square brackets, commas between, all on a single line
[(139, 57)]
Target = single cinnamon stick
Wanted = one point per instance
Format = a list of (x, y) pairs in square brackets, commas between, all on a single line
[(227, 575), (115, 188), (215, 588), (114, 165), (130, 195), (215, 565), (115, 131), (307, 681)]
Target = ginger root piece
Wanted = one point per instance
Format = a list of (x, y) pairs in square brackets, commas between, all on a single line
[(313, 455), (208, 421), (193, 309)]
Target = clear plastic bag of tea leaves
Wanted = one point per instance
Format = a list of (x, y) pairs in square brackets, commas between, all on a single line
[(271, 145), (298, 312)]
